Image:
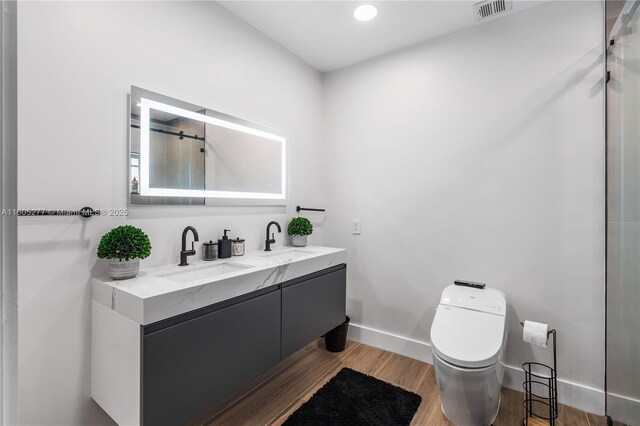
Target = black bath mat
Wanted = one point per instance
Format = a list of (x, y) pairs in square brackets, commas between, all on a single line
[(354, 399)]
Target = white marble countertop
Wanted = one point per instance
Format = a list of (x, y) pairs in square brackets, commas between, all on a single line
[(163, 292)]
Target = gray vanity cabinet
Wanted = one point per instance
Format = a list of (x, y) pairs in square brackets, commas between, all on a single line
[(195, 360), (311, 306)]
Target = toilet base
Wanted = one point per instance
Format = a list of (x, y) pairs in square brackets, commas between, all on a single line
[(460, 424), (469, 397)]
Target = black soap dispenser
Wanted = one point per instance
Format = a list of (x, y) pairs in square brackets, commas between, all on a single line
[(224, 246)]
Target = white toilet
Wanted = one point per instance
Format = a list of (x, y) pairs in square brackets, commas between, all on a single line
[(469, 338)]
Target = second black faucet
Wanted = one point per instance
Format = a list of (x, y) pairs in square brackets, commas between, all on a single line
[(272, 240)]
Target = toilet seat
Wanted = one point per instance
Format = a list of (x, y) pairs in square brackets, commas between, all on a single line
[(467, 338), (463, 370)]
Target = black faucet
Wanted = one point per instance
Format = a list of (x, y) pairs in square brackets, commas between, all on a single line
[(272, 240), (184, 253)]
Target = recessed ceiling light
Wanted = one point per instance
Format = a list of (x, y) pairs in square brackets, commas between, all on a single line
[(365, 12)]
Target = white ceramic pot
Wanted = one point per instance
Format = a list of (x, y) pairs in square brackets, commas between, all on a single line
[(123, 269), (298, 240)]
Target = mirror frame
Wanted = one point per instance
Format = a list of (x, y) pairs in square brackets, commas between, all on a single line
[(212, 197)]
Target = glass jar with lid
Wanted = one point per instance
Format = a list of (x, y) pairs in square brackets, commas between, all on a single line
[(209, 251), (237, 247)]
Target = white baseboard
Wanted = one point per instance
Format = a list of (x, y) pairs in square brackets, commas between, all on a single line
[(624, 409), (390, 342), (569, 393)]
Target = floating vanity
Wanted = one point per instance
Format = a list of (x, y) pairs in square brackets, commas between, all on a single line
[(174, 341)]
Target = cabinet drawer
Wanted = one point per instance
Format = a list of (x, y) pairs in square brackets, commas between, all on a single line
[(312, 307), (190, 366)]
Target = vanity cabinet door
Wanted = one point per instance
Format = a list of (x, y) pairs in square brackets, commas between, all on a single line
[(312, 306), (190, 366)]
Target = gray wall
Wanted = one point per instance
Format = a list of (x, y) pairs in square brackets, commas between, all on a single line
[(77, 61), (479, 156), (476, 155)]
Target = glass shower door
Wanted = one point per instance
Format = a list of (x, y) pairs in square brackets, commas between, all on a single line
[(623, 224)]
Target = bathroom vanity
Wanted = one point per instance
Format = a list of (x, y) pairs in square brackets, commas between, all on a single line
[(174, 341)]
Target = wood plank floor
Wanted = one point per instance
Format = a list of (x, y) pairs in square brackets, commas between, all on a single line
[(275, 399)]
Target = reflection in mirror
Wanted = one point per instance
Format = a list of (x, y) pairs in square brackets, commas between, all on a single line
[(238, 161), (181, 153)]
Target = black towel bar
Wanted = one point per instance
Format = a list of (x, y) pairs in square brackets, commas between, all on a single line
[(298, 209), (85, 212)]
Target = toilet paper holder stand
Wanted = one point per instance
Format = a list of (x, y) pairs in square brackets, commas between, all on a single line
[(545, 378)]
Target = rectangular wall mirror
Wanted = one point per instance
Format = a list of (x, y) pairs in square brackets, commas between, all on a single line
[(180, 153)]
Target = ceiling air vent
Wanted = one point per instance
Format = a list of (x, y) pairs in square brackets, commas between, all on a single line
[(490, 8)]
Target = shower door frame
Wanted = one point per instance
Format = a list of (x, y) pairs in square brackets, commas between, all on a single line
[(8, 222)]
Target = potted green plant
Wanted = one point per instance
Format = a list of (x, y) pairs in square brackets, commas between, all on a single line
[(124, 246), (299, 228)]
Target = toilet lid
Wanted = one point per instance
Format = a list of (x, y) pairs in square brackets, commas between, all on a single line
[(488, 300), (467, 338)]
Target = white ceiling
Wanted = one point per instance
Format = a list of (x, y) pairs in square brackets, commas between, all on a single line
[(326, 35)]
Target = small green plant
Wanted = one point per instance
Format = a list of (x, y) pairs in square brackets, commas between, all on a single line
[(124, 242), (300, 226)]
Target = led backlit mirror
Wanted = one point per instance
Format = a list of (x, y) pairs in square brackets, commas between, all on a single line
[(182, 153)]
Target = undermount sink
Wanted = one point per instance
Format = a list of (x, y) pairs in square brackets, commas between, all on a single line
[(286, 255), (199, 273)]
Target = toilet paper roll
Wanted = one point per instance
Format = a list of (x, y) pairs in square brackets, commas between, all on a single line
[(535, 333)]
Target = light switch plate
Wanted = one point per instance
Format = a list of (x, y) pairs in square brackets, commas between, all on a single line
[(357, 227)]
